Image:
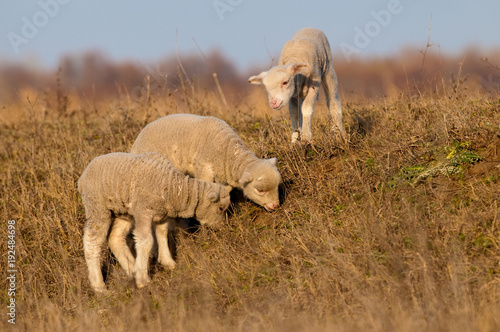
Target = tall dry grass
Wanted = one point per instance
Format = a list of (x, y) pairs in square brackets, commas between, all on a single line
[(398, 231)]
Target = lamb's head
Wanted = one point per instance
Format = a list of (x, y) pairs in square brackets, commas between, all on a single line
[(279, 83), (213, 203), (260, 182)]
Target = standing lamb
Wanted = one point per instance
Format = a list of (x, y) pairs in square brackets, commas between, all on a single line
[(142, 191), (207, 148), (304, 65)]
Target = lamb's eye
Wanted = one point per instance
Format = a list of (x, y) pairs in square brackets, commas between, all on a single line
[(284, 83), (260, 190)]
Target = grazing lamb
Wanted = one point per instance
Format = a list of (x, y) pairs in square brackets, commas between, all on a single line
[(207, 148), (142, 191), (304, 65)]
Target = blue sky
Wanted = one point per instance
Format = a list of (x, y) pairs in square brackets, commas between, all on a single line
[(42, 31)]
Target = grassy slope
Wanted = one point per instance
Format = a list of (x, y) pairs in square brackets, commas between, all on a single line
[(365, 239)]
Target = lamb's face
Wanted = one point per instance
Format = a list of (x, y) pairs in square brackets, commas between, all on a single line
[(212, 207), (279, 86), (279, 83), (260, 183)]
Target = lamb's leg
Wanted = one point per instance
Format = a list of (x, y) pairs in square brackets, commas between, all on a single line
[(307, 113), (143, 238), (333, 103), (94, 235), (296, 117), (118, 244), (164, 256)]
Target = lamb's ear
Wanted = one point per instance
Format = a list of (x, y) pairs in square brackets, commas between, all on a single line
[(213, 196), (245, 179), (295, 68), (258, 78), (228, 188), (273, 161)]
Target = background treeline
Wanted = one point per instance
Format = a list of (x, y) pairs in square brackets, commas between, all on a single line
[(96, 76)]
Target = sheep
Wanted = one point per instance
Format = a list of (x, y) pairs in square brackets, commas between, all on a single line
[(305, 63), (122, 190), (207, 148)]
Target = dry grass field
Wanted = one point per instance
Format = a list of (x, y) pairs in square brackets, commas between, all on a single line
[(398, 231)]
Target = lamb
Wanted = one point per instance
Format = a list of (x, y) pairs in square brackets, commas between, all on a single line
[(122, 190), (207, 148), (305, 63)]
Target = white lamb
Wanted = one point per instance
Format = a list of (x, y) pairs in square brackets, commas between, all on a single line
[(207, 148), (304, 65), (121, 190)]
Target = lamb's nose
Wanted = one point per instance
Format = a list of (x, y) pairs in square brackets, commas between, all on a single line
[(272, 206), (275, 103)]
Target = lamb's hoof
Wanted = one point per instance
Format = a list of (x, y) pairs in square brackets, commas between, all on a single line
[(307, 143), (303, 140), (142, 282), (339, 137), (167, 263), (141, 285), (100, 291)]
